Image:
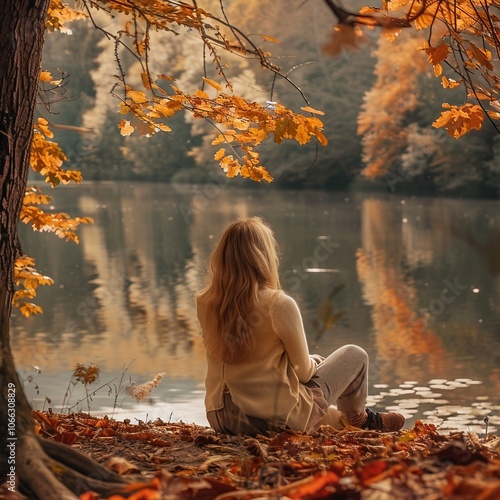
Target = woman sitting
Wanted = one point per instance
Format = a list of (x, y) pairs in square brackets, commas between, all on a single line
[(260, 375)]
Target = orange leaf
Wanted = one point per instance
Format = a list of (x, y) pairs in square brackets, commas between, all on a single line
[(308, 109), (312, 488), (45, 76), (438, 54), (449, 83), (321, 137), (460, 119), (482, 56), (125, 127), (438, 70), (212, 83), (220, 154), (137, 96), (370, 472), (270, 38), (146, 81)]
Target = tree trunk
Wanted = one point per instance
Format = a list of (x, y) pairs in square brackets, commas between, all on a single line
[(21, 43), (39, 469)]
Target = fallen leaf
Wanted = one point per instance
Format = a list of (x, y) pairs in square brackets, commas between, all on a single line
[(122, 466)]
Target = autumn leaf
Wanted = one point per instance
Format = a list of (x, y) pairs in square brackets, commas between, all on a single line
[(481, 55), (424, 12), (269, 38), (59, 14), (86, 374), (28, 309), (27, 279), (42, 126), (436, 55), (212, 83), (460, 119), (121, 466), (220, 154), (137, 96), (125, 127), (308, 109), (449, 83), (46, 77)]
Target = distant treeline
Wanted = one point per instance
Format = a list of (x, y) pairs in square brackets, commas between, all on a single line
[(425, 160)]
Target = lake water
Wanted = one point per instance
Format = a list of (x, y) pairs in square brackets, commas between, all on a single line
[(414, 281)]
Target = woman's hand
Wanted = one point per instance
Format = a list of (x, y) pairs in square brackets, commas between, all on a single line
[(317, 358)]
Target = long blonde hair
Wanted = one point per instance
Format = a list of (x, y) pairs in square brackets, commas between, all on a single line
[(244, 262)]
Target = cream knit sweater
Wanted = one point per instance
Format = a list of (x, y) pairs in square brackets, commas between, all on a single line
[(269, 383)]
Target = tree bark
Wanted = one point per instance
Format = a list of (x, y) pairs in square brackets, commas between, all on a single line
[(29, 464), (21, 43)]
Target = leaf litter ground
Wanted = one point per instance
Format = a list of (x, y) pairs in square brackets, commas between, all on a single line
[(175, 460)]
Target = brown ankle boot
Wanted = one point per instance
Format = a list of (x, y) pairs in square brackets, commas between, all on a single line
[(385, 422)]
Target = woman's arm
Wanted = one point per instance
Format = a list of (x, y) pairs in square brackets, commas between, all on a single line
[(287, 322)]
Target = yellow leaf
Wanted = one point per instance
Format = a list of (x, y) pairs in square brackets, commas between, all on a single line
[(495, 115), (146, 81), (481, 96), (308, 109), (482, 56), (449, 83), (166, 77), (269, 38), (302, 137), (438, 70), (125, 127), (42, 125), (137, 96), (220, 154), (28, 309), (201, 94), (45, 76), (438, 54), (163, 110), (460, 119), (425, 12), (163, 127), (212, 83), (321, 137)]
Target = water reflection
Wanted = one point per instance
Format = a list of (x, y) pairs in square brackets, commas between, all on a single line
[(415, 282), (416, 334)]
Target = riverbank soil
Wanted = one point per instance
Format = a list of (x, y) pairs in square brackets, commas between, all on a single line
[(178, 460)]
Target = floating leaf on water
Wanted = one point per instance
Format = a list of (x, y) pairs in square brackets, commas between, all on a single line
[(408, 405), (464, 411), (429, 394), (453, 383)]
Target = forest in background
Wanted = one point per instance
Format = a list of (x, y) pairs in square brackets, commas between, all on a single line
[(377, 88)]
